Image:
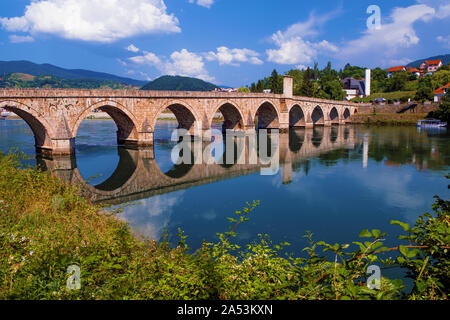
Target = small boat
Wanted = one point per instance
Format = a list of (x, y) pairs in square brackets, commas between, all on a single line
[(431, 123)]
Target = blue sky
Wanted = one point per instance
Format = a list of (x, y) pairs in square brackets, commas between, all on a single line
[(228, 42)]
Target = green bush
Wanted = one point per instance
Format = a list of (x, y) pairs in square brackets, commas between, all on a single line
[(46, 227)]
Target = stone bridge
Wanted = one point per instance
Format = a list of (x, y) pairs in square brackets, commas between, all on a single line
[(55, 115), (138, 176)]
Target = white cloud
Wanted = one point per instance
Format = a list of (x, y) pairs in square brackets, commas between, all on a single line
[(443, 11), (293, 48), (148, 58), (132, 48), (185, 63), (94, 20), (20, 39), (444, 40), (232, 57), (182, 63), (301, 67), (203, 3), (297, 50), (392, 38)]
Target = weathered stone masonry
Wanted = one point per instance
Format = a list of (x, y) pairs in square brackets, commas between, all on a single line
[(54, 115)]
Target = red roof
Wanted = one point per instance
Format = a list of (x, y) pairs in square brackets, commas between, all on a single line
[(394, 69), (433, 62), (441, 90), (412, 69)]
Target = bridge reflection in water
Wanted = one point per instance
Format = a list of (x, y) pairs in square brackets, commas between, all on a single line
[(138, 175)]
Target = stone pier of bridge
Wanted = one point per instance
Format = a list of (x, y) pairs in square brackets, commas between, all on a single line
[(55, 115)]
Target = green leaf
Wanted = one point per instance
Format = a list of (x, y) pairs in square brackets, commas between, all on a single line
[(405, 226), (365, 234), (376, 233)]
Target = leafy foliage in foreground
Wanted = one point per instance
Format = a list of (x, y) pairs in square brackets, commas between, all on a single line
[(46, 227)]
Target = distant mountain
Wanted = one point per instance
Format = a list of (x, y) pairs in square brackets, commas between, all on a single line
[(23, 80), (445, 60), (177, 83), (27, 67)]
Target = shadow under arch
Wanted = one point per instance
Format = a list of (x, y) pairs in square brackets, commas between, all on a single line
[(183, 113), (346, 114), (232, 117), (267, 116), (42, 137), (317, 116), (334, 116), (296, 117), (127, 133)]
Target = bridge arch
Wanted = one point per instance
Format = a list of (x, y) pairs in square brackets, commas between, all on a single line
[(317, 116), (296, 117), (185, 114), (346, 114), (42, 130), (267, 116), (125, 121), (232, 114), (334, 116)]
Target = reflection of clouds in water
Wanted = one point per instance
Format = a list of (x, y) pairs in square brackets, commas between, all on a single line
[(152, 215), (277, 180), (397, 189), (209, 215)]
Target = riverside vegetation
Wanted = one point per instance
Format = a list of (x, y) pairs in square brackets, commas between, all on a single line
[(47, 227)]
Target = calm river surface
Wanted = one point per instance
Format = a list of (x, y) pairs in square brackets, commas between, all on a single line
[(341, 182)]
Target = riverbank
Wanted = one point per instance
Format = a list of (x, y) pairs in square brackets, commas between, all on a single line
[(388, 119), (46, 227)]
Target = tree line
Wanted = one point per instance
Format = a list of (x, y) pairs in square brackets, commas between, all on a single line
[(327, 83)]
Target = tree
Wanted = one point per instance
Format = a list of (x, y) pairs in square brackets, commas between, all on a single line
[(397, 82), (253, 87), (275, 82), (440, 78), (260, 86), (332, 89), (443, 113), (425, 90), (244, 89), (424, 93), (316, 72), (308, 88), (298, 80)]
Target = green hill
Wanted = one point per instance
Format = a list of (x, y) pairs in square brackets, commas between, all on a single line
[(416, 64), (27, 67), (23, 80), (177, 83)]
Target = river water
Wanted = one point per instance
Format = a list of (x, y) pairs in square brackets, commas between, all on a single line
[(333, 182)]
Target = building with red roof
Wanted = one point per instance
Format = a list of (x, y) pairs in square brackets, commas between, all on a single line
[(438, 93), (413, 70), (430, 66), (392, 70)]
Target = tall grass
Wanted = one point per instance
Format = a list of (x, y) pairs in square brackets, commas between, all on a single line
[(45, 227)]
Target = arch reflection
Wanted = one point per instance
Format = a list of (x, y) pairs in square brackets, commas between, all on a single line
[(138, 175)]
